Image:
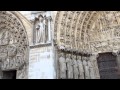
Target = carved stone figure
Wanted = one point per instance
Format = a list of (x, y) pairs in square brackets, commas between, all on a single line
[(75, 67), (80, 67), (91, 69), (69, 66), (93, 58), (62, 66), (86, 68), (40, 30)]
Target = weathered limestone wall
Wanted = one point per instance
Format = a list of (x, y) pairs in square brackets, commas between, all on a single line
[(41, 57), (41, 63)]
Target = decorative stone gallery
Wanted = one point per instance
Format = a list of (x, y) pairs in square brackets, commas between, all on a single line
[(59, 45)]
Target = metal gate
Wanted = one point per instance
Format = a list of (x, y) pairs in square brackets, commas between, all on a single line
[(107, 64)]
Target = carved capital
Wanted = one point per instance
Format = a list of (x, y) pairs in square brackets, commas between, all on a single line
[(78, 57), (61, 54), (84, 58), (61, 47), (74, 57), (94, 57), (68, 55), (115, 53)]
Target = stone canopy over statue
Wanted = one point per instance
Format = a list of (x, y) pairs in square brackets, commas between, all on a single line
[(42, 28)]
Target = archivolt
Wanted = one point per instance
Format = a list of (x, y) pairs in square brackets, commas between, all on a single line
[(74, 29), (10, 21)]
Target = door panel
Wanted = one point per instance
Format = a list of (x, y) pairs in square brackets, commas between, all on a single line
[(107, 65), (9, 74)]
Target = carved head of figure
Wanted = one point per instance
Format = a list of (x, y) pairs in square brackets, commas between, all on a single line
[(78, 57), (41, 18), (61, 54), (37, 27), (74, 57), (68, 56), (84, 58)]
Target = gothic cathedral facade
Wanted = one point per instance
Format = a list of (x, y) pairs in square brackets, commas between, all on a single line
[(59, 45)]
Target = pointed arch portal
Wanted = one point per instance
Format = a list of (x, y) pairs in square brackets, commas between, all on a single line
[(83, 35), (14, 46)]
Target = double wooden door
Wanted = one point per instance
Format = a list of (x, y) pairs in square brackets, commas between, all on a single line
[(108, 67)]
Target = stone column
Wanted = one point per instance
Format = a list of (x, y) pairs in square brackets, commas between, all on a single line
[(49, 28), (93, 58)]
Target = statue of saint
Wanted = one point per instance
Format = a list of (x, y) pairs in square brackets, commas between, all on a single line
[(40, 30)]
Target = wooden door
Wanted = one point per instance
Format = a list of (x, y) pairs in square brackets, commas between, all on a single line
[(107, 64), (9, 74)]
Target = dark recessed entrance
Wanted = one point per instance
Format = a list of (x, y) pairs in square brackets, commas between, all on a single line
[(108, 68), (9, 74)]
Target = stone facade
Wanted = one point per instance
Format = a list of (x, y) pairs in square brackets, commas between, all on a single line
[(57, 44)]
